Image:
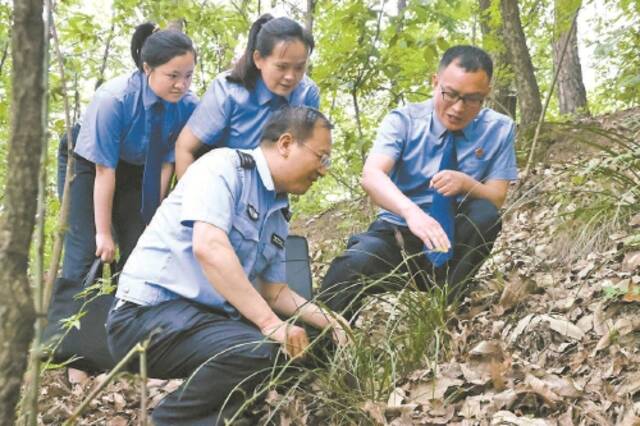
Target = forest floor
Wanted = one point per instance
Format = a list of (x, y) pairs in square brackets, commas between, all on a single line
[(549, 336)]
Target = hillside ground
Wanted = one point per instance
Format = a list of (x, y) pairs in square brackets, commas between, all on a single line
[(550, 335)]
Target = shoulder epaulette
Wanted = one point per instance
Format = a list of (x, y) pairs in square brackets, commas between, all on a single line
[(286, 212), (246, 160)]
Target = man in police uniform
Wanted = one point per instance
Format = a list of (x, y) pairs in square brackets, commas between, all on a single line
[(439, 170), (208, 273)]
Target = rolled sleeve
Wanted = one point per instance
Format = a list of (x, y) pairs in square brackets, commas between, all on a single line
[(213, 205), (504, 164), (170, 156), (392, 135), (211, 117), (99, 137)]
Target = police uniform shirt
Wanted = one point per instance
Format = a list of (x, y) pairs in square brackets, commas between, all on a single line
[(413, 137), (117, 123), (231, 116), (218, 190)]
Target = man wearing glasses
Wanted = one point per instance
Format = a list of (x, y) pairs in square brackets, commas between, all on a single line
[(439, 171), (207, 278)]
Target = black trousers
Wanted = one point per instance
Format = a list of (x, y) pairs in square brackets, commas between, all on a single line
[(384, 247), (80, 238), (190, 338)]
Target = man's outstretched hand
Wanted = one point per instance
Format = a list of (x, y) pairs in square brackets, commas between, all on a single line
[(293, 339), (427, 229)]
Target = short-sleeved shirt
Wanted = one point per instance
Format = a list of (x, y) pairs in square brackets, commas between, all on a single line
[(218, 190), (413, 137), (231, 116), (117, 123)]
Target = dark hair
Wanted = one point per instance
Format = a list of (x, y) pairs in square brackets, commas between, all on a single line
[(299, 120), (469, 58), (264, 34), (157, 47)]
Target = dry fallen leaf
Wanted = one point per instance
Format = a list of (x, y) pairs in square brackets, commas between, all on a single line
[(633, 294), (488, 348), (437, 413), (433, 389), (630, 385), (396, 397), (375, 410), (542, 389), (631, 261), (117, 421), (507, 418), (564, 327)]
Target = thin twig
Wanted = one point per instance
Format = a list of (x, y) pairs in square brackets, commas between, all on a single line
[(143, 385), (546, 102), (105, 56)]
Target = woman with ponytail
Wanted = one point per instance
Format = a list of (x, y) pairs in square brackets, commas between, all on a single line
[(270, 74), (124, 156)]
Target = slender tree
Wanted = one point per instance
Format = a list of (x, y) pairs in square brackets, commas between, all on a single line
[(308, 15), (502, 99), (527, 86), (572, 96), (16, 225)]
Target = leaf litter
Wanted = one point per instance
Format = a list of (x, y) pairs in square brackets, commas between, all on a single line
[(549, 336)]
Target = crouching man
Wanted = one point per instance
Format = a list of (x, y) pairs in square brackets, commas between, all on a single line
[(207, 276), (440, 172)]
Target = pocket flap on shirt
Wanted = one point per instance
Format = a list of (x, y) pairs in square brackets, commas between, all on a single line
[(247, 228)]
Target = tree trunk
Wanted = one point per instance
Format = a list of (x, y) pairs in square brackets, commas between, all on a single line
[(308, 16), (572, 96), (527, 86), (503, 99), (16, 224)]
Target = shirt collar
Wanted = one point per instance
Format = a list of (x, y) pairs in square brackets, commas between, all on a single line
[(263, 169), (281, 199), (265, 95), (438, 129), (149, 98)]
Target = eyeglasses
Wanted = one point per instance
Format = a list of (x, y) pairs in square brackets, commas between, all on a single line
[(473, 100), (325, 159)]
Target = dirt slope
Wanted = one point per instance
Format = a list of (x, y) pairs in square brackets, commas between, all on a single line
[(551, 335)]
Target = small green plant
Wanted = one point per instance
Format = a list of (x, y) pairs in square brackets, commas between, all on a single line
[(611, 292), (396, 333)]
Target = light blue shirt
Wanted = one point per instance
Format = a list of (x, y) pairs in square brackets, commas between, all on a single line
[(231, 116), (217, 190), (413, 137), (117, 123)]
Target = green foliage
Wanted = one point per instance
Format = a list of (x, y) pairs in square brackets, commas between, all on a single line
[(370, 60), (616, 52)]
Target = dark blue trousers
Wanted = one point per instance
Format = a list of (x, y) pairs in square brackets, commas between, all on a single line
[(80, 238), (379, 250), (223, 352)]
